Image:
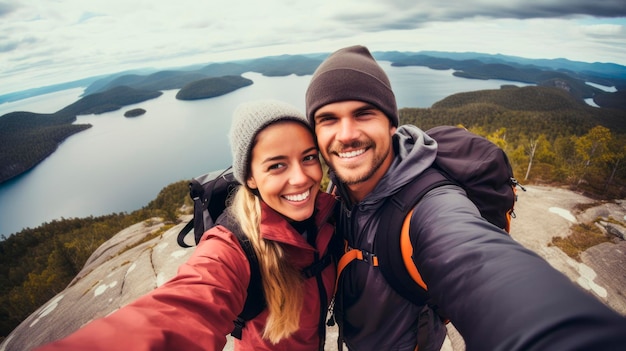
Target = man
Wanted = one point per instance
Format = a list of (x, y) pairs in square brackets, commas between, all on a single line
[(499, 295)]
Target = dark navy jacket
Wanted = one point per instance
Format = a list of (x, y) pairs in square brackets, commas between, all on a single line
[(498, 294)]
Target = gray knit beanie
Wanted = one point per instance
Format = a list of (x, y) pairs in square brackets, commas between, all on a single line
[(351, 73), (248, 120)]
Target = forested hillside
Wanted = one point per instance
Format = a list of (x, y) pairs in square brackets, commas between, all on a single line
[(549, 136), (110, 100), (27, 138)]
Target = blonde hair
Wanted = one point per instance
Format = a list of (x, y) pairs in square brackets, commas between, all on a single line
[(282, 283)]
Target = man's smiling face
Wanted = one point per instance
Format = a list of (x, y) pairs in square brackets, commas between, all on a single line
[(355, 139)]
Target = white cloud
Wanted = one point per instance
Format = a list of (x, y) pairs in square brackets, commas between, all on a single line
[(46, 42), (604, 30)]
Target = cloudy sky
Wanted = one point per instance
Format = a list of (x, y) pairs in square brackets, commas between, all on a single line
[(45, 42)]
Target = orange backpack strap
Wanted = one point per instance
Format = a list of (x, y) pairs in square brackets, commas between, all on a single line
[(407, 256), (398, 267), (407, 251), (351, 255)]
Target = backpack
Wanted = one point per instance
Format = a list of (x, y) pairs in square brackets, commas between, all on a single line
[(465, 159), (209, 193)]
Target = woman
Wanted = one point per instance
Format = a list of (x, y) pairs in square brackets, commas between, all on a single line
[(285, 216)]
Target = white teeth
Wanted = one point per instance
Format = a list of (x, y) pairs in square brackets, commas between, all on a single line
[(299, 197), (351, 153)]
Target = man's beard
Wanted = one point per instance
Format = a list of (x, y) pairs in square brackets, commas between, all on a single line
[(345, 178)]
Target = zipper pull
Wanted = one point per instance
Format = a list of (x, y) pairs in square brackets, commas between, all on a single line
[(331, 309), (515, 183), (331, 321)]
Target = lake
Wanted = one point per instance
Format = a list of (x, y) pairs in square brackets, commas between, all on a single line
[(121, 164)]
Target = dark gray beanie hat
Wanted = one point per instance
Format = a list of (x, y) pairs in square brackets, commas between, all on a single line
[(248, 120), (351, 73)]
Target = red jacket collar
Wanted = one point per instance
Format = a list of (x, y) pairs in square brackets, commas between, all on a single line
[(275, 227)]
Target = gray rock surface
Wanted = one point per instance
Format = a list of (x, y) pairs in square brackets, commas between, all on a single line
[(113, 276), (120, 270)]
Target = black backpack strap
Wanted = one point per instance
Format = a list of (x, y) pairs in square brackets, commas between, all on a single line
[(196, 192), (387, 242), (255, 301), (318, 266), (183, 233)]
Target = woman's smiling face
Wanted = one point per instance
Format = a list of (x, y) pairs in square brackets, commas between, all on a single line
[(286, 170)]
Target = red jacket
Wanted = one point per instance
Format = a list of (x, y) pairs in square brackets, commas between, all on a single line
[(195, 310)]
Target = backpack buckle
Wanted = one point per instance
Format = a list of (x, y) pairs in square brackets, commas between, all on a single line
[(365, 256)]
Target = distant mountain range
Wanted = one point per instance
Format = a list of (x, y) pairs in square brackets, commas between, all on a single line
[(468, 65)]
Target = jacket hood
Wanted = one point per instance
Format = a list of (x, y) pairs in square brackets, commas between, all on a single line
[(414, 152)]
